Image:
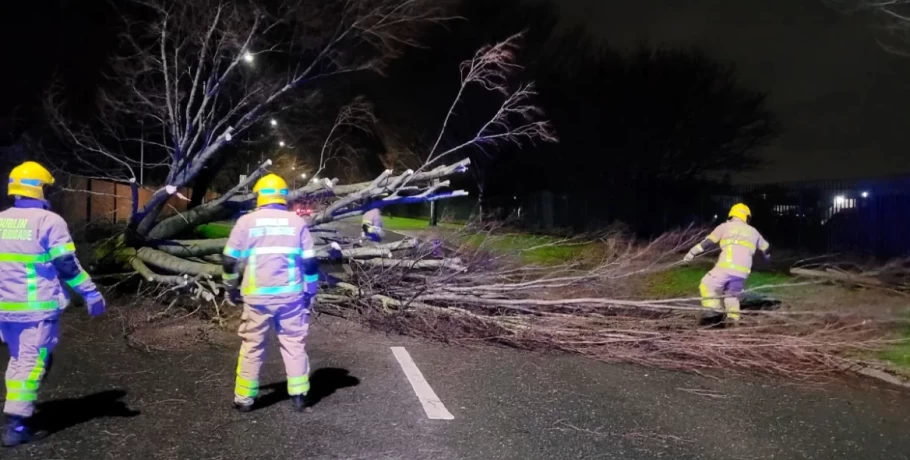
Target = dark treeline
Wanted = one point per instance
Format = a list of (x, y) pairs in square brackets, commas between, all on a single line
[(640, 130)]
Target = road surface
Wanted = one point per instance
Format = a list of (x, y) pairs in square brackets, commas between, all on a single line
[(106, 399)]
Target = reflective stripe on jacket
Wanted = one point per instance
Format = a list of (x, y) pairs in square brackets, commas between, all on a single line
[(738, 242), (31, 241), (372, 222), (275, 250)]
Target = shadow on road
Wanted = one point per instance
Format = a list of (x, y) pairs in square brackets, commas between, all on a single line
[(323, 383), (60, 414)]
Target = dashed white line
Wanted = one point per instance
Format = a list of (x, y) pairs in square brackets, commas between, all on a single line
[(431, 404)]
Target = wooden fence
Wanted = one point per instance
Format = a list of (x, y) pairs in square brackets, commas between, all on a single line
[(82, 201)]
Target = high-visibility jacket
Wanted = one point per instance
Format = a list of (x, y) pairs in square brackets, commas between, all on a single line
[(372, 224), (36, 254), (738, 242), (273, 250)]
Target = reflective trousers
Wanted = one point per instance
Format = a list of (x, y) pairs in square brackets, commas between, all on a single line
[(291, 326), (718, 286), (30, 346)]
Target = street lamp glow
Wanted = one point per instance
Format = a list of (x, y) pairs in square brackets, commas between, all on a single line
[(248, 57), (839, 200), (865, 194), (281, 144), (273, 122), (303, 176)]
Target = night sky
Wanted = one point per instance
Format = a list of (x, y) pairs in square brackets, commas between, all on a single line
[(844, 103), (842, 100)]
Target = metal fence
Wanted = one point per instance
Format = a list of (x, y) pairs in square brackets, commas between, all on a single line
[(861, 217), (864, 217)]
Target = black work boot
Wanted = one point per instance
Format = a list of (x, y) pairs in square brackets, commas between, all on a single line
[(299, 402), (711, 320), (243, 407), (16, 431)]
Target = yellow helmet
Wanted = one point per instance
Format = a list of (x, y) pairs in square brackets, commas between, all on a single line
[(741, 212), (271, 189), (28, 180)]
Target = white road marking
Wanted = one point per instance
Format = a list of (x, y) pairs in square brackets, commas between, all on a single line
[(431, 404)]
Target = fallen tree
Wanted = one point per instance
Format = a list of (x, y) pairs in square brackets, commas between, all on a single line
[(205, 73), (585, 307)]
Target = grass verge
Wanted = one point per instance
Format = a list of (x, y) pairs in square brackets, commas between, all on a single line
[(683, 281), (215, 230), (531, 249), (898, 355), (409, 223)]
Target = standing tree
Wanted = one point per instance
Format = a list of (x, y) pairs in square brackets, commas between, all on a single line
[(207, 74)]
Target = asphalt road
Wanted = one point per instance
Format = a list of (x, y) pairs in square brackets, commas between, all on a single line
[(350, 228), (105, 399)]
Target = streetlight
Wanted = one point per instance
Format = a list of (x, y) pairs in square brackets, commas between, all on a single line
[(248, 57), (303, 176), (865, 194), (281, 143), (273, 122)]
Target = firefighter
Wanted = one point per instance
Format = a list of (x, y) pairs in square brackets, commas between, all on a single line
[(372, 226), (738, 242), (36, 255), (271, 247)]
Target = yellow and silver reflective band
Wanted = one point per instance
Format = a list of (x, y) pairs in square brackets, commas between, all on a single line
[(284, 250), (31, 282), (230, 279), (311, 278), (25, 258), (274, 191), (730, 241), (250, 274), (298, 385), (252, 289), (27, 390), (79, 279), (273, 290), (292, 269), (712, 238), (21, 390), (707, 299), (62, 250), (245, 388), (29, 306), (728, 263), (275, 250)]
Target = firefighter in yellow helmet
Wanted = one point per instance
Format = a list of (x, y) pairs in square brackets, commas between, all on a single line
[(270, 266), (738, 242), (36, 255)]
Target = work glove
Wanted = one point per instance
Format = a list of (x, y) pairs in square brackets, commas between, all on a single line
[(235, 297), (95, 304), (689, 257)]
